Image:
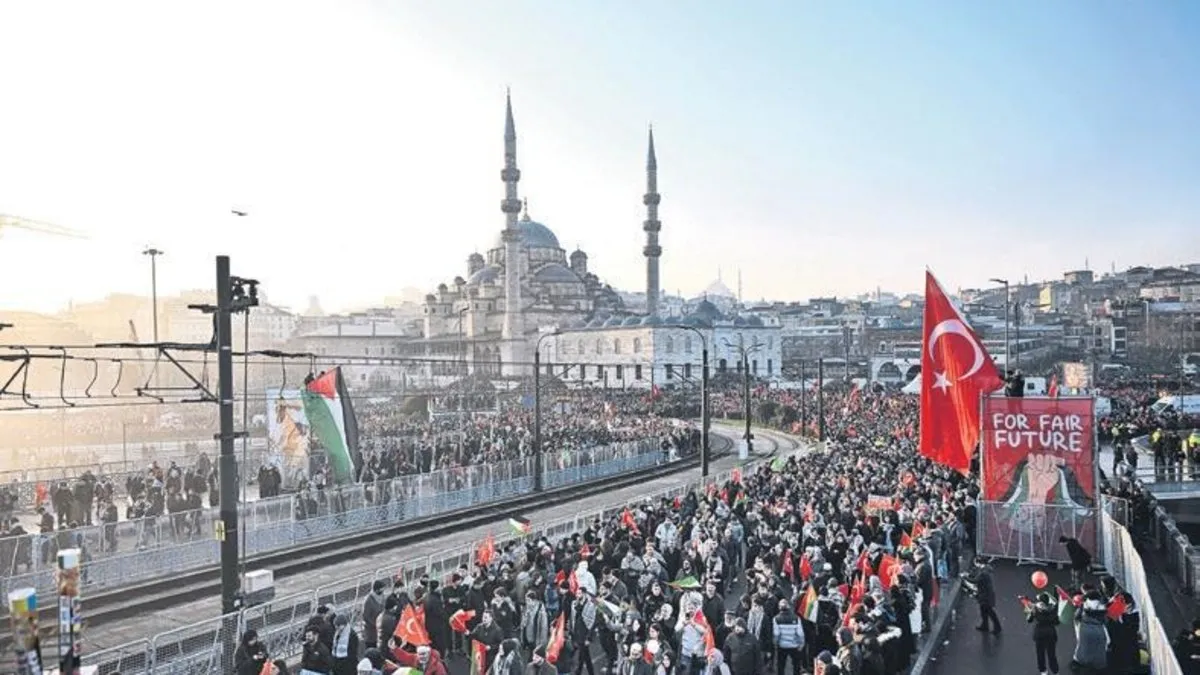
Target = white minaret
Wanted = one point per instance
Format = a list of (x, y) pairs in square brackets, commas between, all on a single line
[(512, 347), (652, 226)]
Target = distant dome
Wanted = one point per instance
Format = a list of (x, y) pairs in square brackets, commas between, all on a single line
[(595, 323), (740, 321), (556, 273), (755, 321), (533, 235), (486, 275), (707, 311), (632, 321), (615, 321), (651, 321), (578, 254)]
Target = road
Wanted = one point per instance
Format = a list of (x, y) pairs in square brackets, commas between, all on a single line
[(123, 632)]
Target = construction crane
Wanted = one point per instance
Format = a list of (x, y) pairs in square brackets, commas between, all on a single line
[(7, 221)]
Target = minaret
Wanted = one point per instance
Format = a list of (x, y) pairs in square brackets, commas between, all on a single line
[(512, 348), (652, 226)]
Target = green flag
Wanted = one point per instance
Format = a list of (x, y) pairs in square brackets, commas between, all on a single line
[(685, 584), (778, 463), (331, 418)]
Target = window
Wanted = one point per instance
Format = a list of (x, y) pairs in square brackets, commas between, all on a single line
[(582, 370), (599, 346), (670, 371), (580, 345), (637, 345), (637, 372), (739, 366), (566, 371), (770, 342), (770, 368), (687, 371), (550, 369), (599, 372), (721, 366), (687, 344), (670, 346), (754, 366), (620, 372), (617, 346)]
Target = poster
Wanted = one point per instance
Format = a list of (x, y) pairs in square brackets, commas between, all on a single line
[(287, 435), (1076, 376), (1039, 476)]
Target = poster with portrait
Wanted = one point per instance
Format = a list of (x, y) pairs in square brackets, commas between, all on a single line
[(287, 435), (1039, 477)]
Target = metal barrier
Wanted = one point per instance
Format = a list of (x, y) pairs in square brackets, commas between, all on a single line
[(197, 649), (175, 543), (1122, 561), (1026, 531)]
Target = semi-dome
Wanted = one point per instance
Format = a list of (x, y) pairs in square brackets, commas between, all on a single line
[(533, 235), (556, 273), (632, 321), (596, 323), (651, 321), (615, 321), (486, 275)]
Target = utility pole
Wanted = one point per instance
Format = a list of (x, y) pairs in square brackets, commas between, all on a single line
[(234, 295), (153, 253), (537, 413), (820, 400), (803, 401), (1007, 349), (746, 395), (704, 414)]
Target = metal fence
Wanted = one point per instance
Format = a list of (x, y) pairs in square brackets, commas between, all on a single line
[(150, 548), (1123, 562), (1026, 531), (197, 649)]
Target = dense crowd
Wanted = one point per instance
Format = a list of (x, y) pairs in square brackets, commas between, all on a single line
[(785, 569)]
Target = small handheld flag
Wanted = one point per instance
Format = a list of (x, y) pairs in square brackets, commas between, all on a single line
[(520, 526)]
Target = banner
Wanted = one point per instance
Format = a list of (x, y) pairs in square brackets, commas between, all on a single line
[(1039, 476), (1077, 376), (287, 436), (878, 504)]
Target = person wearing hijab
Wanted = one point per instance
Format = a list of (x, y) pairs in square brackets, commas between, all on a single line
[(250, 655), (345, 647), (1091, 648), (716, 664)]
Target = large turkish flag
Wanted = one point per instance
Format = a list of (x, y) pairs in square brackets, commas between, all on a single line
[(955, 371)]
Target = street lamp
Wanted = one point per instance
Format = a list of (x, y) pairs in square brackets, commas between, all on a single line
[(1007, 355), (704, 416), (462, 343), (153, 253), (537, 410), (745, 352)]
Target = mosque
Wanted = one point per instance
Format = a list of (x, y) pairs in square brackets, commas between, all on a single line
[(493, 318)]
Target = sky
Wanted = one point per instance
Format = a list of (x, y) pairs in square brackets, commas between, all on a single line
[(820, 147)]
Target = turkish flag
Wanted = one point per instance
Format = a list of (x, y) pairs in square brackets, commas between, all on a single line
[(955, 371)]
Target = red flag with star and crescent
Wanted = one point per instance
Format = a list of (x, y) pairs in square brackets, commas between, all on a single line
[(955, 370)]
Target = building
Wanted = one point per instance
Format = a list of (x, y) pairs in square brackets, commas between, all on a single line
[(643, 351), (489, 317)]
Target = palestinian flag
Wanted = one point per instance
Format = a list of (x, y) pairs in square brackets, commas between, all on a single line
[(331, 419), (405, 670), (478, 658), (685, 584), (520, 526), (1066, 607), (778, 464), (710, 640)]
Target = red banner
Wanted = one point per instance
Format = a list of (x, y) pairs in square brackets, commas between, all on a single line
[(1039, 476)]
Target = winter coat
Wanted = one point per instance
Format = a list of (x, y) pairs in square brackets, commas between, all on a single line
[(317, 658), (1045, 622), (788, 633), (244, 659), (1092, 647), (372, 608), (743, 654)]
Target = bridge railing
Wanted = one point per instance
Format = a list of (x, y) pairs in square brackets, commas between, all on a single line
[(168, 545), (197, 649), (1123, 562)]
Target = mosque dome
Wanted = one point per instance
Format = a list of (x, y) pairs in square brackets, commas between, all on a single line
[(706, 311), (652, 321), (486, 275), (632, 321), (615, 321), (533, 235), (555, 273)]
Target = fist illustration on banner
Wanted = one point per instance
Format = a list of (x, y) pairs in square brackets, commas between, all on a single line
[(1042, 472)]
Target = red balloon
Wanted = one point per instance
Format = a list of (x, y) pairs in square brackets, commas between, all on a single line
[(1039, 579)]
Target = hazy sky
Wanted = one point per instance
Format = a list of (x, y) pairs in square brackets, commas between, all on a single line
[(823, 147)]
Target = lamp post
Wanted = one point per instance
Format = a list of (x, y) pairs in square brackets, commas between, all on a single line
[(153, 253), (537, 411), (704, 418), (1007, 355), (820, 400), (745, 353), (462, 343), (803, 400)]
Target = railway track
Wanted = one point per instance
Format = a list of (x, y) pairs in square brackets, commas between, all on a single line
[(130, 601)]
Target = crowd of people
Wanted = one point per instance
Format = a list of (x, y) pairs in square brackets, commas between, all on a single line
[(790, 568)]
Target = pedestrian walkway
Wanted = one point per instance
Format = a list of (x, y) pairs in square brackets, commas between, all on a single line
[(1011, 653)]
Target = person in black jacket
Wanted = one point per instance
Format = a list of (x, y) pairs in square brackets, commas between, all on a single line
[(743, 654), (1081, 560), (1044, 617), (250, 655), (984, 590), (316, 659)]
